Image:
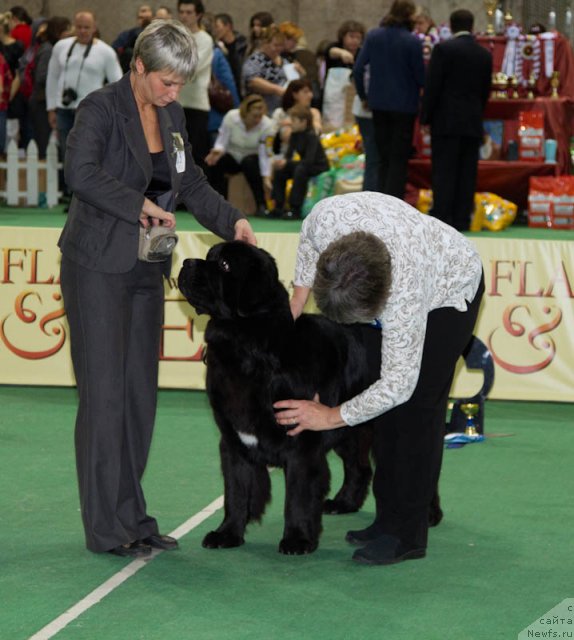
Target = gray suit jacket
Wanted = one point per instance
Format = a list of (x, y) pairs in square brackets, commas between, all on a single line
[(108, 168)]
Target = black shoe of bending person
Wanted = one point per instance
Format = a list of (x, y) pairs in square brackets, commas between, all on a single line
[(136, 549), (387, 550), (158, 541), (364, 536)]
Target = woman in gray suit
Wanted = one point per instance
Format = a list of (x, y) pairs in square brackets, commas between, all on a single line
[(128, 162)]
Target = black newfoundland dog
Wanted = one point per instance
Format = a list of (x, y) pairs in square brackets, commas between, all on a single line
[(257, 354)]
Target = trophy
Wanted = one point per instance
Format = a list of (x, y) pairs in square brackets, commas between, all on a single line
[(531, 85), (500, 84), (513, 87), (555, 83), (508, 17), (490, 7), (470, 410)]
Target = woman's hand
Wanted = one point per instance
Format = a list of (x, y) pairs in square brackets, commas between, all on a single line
[(346, 57), (300, 69), (307, 414), (213, 157), (52, 119), (298, 300), (152, 214), (279, 164), (243, 231)]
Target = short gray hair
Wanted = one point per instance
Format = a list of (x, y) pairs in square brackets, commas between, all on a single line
[(353, 278), (166, 45)]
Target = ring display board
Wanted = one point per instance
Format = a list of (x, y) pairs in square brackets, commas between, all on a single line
[(525, 320)]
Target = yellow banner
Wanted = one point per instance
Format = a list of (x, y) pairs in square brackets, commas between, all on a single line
[(526, 319)]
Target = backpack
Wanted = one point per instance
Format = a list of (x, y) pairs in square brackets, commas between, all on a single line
[(27, 72)]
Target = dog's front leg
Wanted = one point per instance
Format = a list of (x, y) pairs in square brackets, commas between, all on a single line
[(247, 489), (353, 449), (306, 485)]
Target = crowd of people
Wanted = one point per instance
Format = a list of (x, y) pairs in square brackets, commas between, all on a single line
[(48, 66)]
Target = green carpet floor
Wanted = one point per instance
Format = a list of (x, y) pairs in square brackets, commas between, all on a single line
[(501, 558), (55, 218)]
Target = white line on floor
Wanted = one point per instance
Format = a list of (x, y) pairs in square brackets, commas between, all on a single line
[(54, 627)]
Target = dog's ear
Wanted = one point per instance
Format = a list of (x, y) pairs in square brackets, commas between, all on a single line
[(262, 291)]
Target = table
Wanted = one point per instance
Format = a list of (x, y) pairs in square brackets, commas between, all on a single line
[(508, 180), (558, 122)]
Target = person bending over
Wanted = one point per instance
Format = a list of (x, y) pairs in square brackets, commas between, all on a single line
[(370, 257)]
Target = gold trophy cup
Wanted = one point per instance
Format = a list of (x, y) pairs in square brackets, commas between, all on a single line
[(490, 8), (531, 86), (513, 87), (470, 410), (555, 83)]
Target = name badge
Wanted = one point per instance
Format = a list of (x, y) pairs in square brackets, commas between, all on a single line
[(179, 151), (180, 161)]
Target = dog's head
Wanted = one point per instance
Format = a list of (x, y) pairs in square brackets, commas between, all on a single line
[(236, 280)]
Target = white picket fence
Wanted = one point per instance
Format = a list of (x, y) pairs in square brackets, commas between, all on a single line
[(23, 176)]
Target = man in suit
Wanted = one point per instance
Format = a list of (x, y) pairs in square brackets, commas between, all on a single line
[(457, 88)]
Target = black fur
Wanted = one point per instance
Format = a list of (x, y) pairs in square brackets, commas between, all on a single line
[(257, 354)]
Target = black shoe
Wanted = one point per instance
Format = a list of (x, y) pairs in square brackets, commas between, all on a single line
[(386, 550), (364, 536), (291, 215), (277, 212), (157, 541), (262, 211), (136, 549)]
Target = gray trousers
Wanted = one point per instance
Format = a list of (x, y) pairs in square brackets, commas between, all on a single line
[(115, 324)]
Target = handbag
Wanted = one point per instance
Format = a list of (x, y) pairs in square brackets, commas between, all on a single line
[(156, 243), (220, 97)]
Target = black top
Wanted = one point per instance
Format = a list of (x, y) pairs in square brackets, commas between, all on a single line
[(161, 178), (308, 146)]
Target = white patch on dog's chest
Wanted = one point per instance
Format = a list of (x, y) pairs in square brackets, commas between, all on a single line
[(248, 439)]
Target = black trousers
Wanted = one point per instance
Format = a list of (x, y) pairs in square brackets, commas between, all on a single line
[(227, 164), (454, 169), (300, 174), (115, 323), (196, 125), (41, 129), (394, 140), (409, 439)]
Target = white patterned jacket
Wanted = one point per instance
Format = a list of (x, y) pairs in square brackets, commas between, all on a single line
[(433, 266)]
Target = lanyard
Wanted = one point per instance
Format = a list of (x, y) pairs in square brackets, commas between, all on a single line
[(86, 54)]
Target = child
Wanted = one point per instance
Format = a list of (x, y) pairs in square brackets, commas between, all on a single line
[(313, 161)]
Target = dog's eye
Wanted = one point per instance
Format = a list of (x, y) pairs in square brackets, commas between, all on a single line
[(224, 266)]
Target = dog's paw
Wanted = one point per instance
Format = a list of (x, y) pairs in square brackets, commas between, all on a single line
[(221, 540), (297, 546), (334, 507)]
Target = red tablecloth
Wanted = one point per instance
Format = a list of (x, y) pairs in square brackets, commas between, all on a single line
[(508, 180), (558, 122)]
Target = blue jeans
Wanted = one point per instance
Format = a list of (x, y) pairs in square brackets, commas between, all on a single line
[(372, 175)]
